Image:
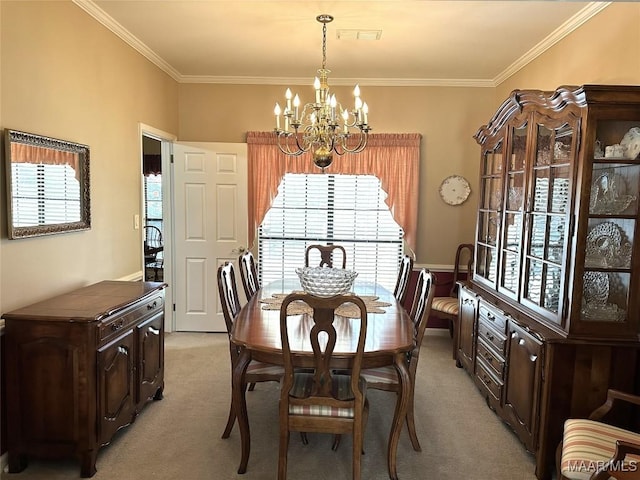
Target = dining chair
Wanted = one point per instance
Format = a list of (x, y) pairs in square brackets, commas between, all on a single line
[(153, 246), (404, 274), (256, 371), (386, 378), (447, 307), (594, 450), (322, 400), (248, 274), (327, 253)]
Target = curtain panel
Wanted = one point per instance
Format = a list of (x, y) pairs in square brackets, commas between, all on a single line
[(393, 158)]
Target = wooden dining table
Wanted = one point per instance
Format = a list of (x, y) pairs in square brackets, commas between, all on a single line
[(389, 337)]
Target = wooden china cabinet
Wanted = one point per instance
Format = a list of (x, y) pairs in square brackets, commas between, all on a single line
[(551, 317)]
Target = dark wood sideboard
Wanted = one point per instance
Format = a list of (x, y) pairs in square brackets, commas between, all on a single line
[(80, 367)]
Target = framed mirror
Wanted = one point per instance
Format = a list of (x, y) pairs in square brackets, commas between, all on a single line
[(47, 185)]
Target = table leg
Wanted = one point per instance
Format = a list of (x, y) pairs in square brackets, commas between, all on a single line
[(400, 362), (240, 405)]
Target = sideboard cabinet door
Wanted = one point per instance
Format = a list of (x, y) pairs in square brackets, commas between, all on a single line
[(522, 387), (150, 359), (467, 328), (116, 387)]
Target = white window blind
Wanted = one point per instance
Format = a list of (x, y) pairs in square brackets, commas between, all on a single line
[(348, 210), (44, 194)]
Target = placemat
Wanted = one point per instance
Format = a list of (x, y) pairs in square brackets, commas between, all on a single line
[(345, 310)]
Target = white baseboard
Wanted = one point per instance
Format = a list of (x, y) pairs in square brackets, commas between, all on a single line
[(132, 277)]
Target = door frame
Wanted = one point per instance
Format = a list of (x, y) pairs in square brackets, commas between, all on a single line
[(166, 140)]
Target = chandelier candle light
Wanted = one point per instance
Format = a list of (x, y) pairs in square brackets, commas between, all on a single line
[(316, 127)]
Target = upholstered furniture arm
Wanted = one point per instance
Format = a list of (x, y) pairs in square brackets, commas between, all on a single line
[(623, 448), (613, 395)]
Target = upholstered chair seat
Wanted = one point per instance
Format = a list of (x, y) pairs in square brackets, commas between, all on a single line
[(588, 444)]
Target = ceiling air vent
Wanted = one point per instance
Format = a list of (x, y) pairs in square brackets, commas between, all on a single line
[(359, 34)]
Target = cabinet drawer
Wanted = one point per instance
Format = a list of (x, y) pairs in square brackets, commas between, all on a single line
[(487, 380), (492, 337), (492, 316), (493, 361), (124, 320)]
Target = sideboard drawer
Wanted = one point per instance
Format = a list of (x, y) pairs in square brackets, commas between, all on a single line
[(121, 322), (492, 337), (487, 380), (492, 316), (493, 361)]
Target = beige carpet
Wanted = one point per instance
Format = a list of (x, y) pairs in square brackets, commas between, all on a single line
[(179, 437)]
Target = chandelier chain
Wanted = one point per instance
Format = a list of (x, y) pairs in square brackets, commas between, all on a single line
[(324, 46)]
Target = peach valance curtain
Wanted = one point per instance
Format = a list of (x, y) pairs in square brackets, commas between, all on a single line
[(393, 158), (23, 153)]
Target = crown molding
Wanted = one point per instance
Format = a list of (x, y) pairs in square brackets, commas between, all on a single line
[(363, 82), (558, 34), (100, 15), (554, 37)]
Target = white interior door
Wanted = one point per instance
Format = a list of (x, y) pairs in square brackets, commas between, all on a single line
[(210, 224)]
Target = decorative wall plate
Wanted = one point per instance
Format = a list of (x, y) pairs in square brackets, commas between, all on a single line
[(454, 190), (604, 247), (595, 288), (609, 194)]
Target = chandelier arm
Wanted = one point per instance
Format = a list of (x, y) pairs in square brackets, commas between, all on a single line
[(285, 147), (362, 143)]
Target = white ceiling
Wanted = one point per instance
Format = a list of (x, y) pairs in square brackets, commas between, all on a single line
[(423, 42)]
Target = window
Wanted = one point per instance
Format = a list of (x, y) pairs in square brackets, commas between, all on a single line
[(153, 200), (348, 210), (44, 194)]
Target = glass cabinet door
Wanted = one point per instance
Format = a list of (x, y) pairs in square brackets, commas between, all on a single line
[(544, 280), (489, 214), (608, 277), (513, 213)]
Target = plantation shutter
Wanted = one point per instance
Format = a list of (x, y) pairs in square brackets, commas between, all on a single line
[(348, 210)]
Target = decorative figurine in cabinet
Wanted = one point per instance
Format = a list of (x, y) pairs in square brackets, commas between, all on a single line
[(558, 256)]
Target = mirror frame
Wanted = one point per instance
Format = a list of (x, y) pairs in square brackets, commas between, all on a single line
[(15, 136)]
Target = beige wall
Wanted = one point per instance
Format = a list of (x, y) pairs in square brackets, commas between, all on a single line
[(447, 119), (62, 74), (602, 51), (66, 76)]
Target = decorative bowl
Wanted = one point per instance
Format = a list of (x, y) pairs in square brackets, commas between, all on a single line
[(326, 282)]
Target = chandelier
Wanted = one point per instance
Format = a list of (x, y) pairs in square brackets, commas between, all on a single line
[(318, 127)]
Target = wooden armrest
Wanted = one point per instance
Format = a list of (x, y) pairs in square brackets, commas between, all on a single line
[(614, 464), (612, 396)]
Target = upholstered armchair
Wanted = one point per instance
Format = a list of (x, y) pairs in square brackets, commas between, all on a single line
[(594, 450)]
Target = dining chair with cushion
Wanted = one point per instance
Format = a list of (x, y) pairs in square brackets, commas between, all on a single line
[(594, 450), (404, 274), (248, 274), (447, 307), (322, 400), (386, 378), (327, 255), (256, 371)]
